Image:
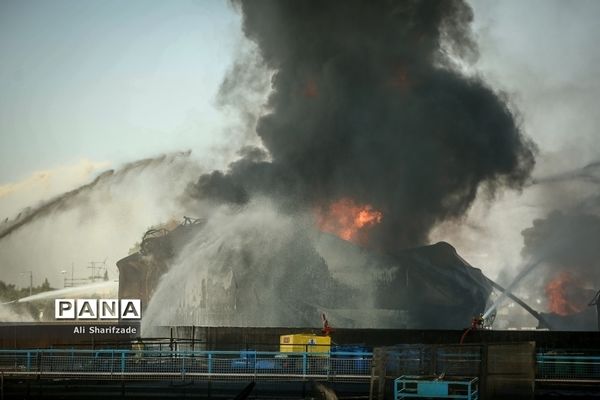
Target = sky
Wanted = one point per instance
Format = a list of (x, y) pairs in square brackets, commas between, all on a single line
[(88, 85), (545, 55), (109, 81)]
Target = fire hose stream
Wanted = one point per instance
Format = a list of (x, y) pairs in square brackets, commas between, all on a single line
[(520, 302), (507, 292)]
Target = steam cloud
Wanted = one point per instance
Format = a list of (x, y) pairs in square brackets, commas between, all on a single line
[(9, 315), (253, 268), (102, 219), (365, 104), (76, 197)]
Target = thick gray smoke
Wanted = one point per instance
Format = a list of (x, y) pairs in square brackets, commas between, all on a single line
[(576, 249), (365, 105), (575, 222)]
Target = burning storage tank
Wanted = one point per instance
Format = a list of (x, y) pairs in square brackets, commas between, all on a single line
[(428, 287), (425, 287)]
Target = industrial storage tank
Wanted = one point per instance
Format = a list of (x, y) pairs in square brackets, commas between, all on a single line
[(428, 287)]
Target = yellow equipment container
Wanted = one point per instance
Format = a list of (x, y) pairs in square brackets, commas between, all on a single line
[(304, 342)]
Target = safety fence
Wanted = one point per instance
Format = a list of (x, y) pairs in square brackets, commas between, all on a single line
[(333, 366), (201, 365), (467, 361), (410, 386), (581, 366), (423, 360)]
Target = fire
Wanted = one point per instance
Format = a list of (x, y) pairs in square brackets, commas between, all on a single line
[(346, 219), (563, 293)]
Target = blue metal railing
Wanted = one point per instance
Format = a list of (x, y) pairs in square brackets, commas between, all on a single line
[(419, 387), (148, 364), (564, 366), (274, 365)]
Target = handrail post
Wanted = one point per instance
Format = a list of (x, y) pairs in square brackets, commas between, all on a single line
[(183, 367), (304, 366), (28, 361), (209, 363), (123, 362)]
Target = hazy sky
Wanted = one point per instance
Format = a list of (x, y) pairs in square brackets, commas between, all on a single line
[(545, 53), (109, 80)]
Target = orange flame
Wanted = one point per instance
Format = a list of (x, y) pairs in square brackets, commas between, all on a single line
[(346, 219), (562, 292)]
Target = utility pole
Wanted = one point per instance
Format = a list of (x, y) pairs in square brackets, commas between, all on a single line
[(64, 274)]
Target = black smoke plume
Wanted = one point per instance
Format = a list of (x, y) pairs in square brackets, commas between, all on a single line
[(574, 237), (365, 105)]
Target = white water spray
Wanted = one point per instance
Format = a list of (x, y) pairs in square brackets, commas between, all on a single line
[(249, 267), (524, 272), (108, 289)]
